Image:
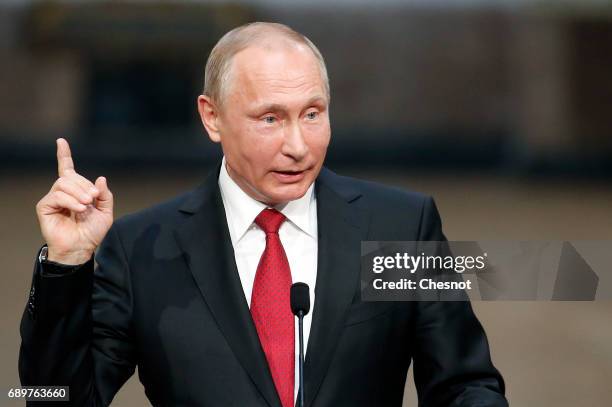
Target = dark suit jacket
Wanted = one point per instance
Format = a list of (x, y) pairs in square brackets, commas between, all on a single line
[(166, 296)]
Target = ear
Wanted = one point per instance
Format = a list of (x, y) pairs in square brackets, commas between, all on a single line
[(209, 114)]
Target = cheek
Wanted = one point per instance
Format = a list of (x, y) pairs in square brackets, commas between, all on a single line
[(261, 148), (318, 138)]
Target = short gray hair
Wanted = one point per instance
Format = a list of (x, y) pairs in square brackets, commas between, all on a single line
[(216, 75)]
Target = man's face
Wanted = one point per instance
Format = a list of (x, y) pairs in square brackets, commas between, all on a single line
[(274, 123)]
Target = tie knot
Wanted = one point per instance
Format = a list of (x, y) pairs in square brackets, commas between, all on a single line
[(270, 220)]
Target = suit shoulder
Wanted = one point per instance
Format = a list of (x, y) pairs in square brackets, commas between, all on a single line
[(394, 213), (164, 212), (380, 192), (377, 194)]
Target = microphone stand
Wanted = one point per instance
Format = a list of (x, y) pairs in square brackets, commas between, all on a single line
[(300, 305), (301, 362)]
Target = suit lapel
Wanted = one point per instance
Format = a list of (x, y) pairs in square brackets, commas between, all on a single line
[(341, 227), (205, 240)]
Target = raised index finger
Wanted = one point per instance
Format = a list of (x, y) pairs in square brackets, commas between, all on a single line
[(64, 158)]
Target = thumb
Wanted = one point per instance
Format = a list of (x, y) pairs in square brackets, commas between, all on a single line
[(105, 198)]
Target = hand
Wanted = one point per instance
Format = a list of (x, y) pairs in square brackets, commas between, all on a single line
[(75, 215)]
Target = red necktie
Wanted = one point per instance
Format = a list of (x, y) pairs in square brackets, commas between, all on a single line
[(271, 308)]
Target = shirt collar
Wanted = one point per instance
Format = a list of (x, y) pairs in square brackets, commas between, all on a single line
[(242, 210)]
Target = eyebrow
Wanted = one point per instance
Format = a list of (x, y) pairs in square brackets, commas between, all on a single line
[(276, 107)]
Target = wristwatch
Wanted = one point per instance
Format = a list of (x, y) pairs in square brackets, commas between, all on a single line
[(42, 256), (52, 266)]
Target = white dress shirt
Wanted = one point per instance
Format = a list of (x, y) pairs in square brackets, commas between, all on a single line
[(298, 235)]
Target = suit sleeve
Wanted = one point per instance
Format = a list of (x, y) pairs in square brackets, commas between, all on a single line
[(452, 362), (76, 329)]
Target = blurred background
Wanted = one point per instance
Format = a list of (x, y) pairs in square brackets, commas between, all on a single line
[(500, 109)]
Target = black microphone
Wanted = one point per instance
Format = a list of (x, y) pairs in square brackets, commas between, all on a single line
[(300, 305)]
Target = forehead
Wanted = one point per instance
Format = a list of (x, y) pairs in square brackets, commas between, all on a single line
[(285, 72)]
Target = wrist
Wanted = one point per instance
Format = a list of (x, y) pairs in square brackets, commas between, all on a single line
[(69, 258)]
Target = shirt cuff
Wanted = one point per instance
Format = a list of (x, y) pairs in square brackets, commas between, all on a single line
[(52, 269)]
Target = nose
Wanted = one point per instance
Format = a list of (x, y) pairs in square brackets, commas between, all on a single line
[(294, 143)]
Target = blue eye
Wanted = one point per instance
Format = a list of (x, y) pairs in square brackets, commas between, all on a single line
[(312, 115), (269, 119)]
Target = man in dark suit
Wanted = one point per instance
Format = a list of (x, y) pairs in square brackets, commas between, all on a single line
[(194, 291)]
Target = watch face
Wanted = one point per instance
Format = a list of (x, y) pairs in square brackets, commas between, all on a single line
[(43, 254)]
